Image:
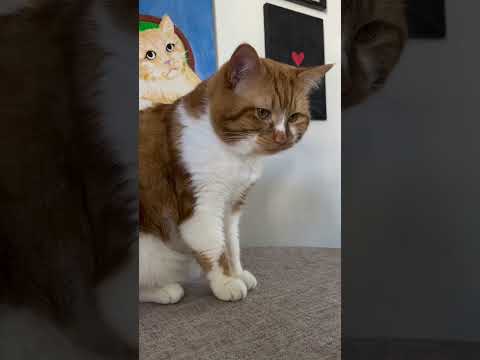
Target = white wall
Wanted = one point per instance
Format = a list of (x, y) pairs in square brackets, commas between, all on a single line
[(297, 201)]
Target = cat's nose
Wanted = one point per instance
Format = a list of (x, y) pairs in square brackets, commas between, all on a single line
[(280, 137), (168, 62)]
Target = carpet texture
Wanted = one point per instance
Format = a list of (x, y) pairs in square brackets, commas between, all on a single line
[(293, 314)]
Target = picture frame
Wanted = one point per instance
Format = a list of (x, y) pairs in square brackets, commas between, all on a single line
[(314, 4)]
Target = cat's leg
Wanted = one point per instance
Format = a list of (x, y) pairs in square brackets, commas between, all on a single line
[(161, 271), (204, 233), (168, 294), (232, 222), (144, 104)]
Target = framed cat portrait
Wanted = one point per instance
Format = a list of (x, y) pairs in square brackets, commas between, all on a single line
[(174, 56)]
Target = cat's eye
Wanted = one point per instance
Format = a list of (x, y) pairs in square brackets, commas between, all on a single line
[(170, 47), (150, 55), (294, 117), (376, 31), (263, 114)]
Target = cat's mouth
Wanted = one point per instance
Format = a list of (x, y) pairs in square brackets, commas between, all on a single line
[(172, 72), (274, 149)]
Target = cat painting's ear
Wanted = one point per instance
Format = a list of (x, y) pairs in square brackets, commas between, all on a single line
[(244, 64), (166, 25), (310, 78)]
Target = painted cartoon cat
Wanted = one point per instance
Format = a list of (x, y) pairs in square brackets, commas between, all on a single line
[(164, 74)]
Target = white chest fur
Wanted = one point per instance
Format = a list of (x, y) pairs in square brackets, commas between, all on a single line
[(220, 172)]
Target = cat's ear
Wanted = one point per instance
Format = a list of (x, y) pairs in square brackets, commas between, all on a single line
[(166, 25), (244, 64), (310, 78)]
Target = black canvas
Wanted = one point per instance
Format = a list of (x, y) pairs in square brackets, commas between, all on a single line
[(296, 39), (426, 19)]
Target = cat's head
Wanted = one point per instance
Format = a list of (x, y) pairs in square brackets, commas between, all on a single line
[(374, 34), (261, 106), (161, 53)]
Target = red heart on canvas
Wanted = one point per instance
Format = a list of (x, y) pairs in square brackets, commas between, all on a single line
[(298, 57)]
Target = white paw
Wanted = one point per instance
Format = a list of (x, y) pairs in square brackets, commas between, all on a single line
[(144, 104), (228, 288), (249, 280), (169, 294)]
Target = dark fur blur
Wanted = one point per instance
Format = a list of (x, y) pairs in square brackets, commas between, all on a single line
[(68, 168), (374, 33)]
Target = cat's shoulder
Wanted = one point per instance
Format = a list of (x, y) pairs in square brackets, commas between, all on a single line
[(157, 110), (158, 116)]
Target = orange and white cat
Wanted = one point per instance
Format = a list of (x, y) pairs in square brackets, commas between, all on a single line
[(164, 73), (199, 157)]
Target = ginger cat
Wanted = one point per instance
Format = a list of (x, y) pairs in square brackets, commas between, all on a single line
[(199, 157), (164, 74)]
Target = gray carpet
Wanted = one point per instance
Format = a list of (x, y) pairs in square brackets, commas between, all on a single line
[(293, 314)]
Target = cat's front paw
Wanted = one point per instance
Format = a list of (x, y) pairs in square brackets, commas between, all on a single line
[(228, 288), (144, 104), (248, 278), (169, 294)]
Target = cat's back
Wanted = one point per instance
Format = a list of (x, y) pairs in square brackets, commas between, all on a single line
[(155, 129), (159, 172), (158, 131)]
